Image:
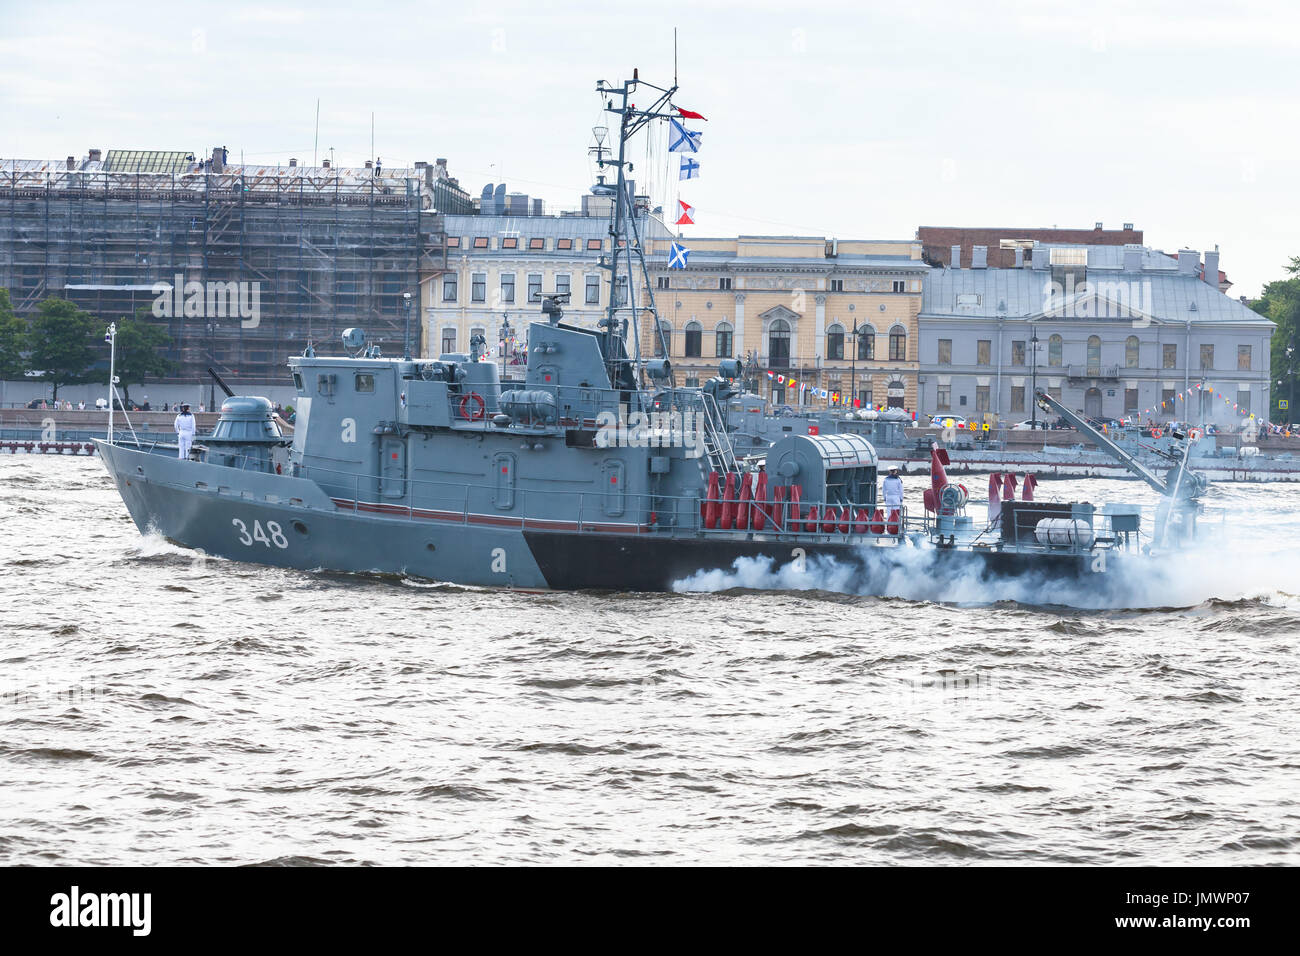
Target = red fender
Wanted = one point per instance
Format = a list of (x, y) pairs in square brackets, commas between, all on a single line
[(712, 505), (1030, 484), (845, 515), (1009, 486), (894, 519), (811, 523), (729, 501), (758, 511), (860, 524), (746, 496), (878, 522), (796, 495), (830, 517), (778, 507)]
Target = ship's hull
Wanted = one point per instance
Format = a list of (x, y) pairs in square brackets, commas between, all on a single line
[(289, 522)]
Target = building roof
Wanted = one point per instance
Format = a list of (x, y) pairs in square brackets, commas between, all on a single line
[(1159, 291), (544, 227)]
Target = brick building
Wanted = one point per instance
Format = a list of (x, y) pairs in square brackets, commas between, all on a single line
[(1002, 243)]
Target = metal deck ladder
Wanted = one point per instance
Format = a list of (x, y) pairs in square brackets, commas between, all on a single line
[(717, 446)]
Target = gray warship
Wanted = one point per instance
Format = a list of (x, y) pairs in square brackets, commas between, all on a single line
[(594, 472)]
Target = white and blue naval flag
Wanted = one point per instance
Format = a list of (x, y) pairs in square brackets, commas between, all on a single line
[(677, 254), (690, 168), (681, 139)]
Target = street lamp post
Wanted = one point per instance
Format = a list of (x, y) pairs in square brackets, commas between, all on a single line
[(406, 330), (853, 368), (1290, 373), (504, 335), (1033, 378)]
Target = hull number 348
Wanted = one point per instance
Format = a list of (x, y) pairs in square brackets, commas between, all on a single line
[(271, 535)]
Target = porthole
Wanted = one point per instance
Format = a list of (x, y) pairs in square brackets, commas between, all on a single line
[(300, 528)]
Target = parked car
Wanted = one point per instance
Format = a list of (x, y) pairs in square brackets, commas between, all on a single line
[(1029, 425), (946, 420)]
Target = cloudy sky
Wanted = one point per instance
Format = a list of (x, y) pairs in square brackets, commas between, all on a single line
[(850, 120)]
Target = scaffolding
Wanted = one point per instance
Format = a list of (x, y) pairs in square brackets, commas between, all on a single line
[(309, 250)]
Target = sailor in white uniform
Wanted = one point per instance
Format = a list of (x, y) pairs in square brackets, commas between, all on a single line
[(893, 489), (184, 432)]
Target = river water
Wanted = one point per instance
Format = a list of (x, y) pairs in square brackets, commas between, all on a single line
[(160, 708)]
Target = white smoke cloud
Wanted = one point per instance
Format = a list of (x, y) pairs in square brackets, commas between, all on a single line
[(1184, 579)]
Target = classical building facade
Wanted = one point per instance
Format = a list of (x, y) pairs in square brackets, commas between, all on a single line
[(834, 315), (1110, 331), (496, 267)]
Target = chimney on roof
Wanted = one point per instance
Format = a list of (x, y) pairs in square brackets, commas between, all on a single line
[(370, 164), (956, 257), (218, 162), (293, 162), (1128, 227), (1132, 258), (979, 257), (1020, 257), (1189, 261), (95, 155), (325, 164), (1042, 257), (72, 162), (1097, 227), (1212, 267)]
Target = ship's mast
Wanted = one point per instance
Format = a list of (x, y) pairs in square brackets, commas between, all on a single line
[(623, 227)]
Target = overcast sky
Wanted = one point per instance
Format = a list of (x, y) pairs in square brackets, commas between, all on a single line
[(850, 120)]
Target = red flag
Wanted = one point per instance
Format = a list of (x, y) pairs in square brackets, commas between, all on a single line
[(687, 212), (691, 114)]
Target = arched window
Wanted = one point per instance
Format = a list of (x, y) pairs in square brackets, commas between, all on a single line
[(1131, 352), (778, 344), (835, 342), (1055, 345), (897, 344), (722, 343), (667, 339), (693, 338), (1094, 354), (866, 343)]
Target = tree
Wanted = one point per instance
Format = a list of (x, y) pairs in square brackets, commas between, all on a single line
[(140, 348), (1281, 303), (62, 340), (12, 343)]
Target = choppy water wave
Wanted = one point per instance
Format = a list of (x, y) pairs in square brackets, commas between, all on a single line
[(159, 707)]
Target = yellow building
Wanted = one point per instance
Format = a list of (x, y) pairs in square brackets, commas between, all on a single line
[(838, 315)]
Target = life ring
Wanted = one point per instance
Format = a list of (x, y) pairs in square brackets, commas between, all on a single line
[(478, 413), (1194, 434), (1156, 433)]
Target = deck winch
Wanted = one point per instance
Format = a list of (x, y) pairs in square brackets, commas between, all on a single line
[(827, 469)]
